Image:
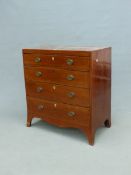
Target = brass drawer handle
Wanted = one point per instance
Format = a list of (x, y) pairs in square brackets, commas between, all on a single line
[(39, 89), (37, 59), (69, 61), (70, 77), (71, 94), (40, 107), (71, 114), (38, 74)]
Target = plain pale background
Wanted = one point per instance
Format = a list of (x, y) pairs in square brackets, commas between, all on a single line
[(45, 149)]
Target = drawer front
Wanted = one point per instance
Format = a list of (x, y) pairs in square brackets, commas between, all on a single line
[(66, 62), (54, 92), (58, 76), (60, 111)]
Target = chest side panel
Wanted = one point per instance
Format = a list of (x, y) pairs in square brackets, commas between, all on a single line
[(100, 84)]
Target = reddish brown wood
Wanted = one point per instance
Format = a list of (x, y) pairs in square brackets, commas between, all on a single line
[(91, 105), (57, 61), (100, 88), (58, 76), (48, 109), (58, 93), (29, 118), (68, 52), (90, 134)]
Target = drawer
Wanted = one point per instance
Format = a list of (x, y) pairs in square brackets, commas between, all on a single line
[(60, 93), (66, 62), (58, 76), (42, 108)]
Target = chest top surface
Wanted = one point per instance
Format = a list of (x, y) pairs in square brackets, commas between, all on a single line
[(83, 51)]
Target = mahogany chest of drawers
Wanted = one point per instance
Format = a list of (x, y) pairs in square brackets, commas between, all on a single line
[(69, 87)]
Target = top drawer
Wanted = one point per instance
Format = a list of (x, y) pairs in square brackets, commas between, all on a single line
[(58, 61)]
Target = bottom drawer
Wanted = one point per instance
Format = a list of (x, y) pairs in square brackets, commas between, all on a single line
[(43, 108)]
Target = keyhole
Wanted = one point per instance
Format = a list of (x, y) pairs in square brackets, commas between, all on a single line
[(97, 60), (53, 58), (54, 87), (55, 105)]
